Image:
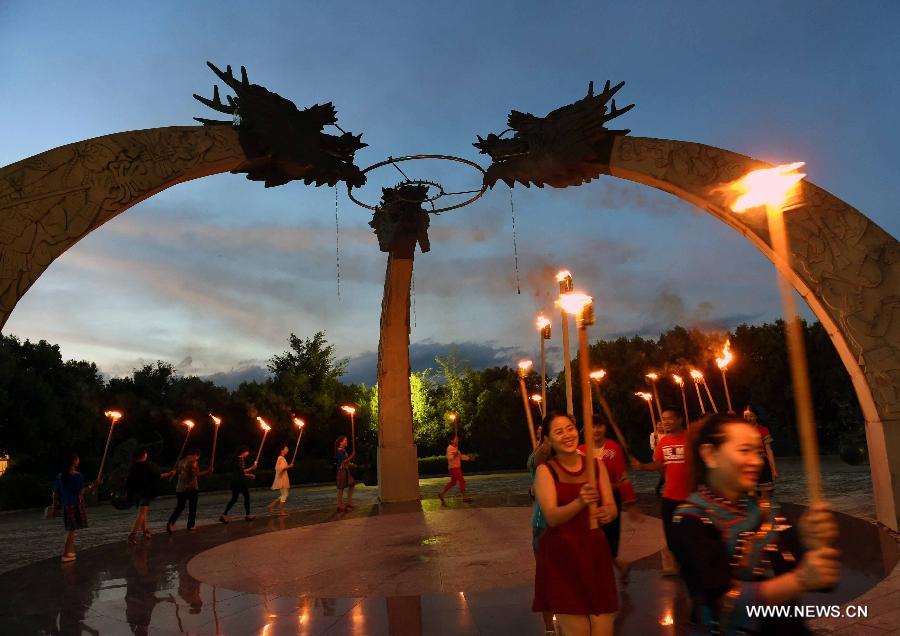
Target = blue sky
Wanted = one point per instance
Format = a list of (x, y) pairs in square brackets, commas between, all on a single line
[(213, 275)]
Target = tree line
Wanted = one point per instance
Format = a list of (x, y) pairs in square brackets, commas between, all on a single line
[(48, 405)]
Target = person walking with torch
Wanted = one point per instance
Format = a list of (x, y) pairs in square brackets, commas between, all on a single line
[(240, 473), (282, 481)]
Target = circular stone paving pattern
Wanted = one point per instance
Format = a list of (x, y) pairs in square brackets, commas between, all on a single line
[(403, 554)]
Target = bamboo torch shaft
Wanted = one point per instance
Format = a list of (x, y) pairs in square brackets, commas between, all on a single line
[(587, 413), (796, 356), (568, 363), (712, 402), (727, 394), (523, 389)]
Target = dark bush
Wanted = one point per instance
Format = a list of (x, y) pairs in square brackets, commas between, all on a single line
[(24, 491)]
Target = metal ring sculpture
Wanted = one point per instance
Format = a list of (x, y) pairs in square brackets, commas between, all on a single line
[(425, 182)]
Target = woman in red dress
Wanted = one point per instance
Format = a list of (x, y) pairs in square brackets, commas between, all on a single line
[(574, 576)]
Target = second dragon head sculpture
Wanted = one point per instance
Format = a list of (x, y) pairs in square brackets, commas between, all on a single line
[(568, 147), (283, 143)]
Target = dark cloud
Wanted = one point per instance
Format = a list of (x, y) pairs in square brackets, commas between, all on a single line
[(232, 379), (477, 355)]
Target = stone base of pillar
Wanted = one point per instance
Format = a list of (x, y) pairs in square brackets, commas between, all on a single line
[(398, 473)]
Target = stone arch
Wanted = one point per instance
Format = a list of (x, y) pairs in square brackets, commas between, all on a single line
[(845, 266)]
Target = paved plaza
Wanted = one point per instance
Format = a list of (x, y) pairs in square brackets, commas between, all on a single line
[(460, 569)]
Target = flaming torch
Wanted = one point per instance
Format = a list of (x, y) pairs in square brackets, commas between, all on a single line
[(351, 411), (680, 382), (216, 422), (114, 417), (190, 427), (772, 188), (712, 402), (524, 370), (543, 326), (696, 376), (265, 428), (454, 418), (653, 377), (723, 363), (597, 377), (299, 424), (582, 307), (566, 285), (649, 400)]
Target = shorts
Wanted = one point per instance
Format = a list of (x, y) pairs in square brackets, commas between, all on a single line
[(74, 516)]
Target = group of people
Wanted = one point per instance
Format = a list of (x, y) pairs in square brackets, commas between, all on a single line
[(142, 485), (724, 535)]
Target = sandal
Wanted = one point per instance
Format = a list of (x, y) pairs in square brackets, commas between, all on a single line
[(147, 534), (132, 538)]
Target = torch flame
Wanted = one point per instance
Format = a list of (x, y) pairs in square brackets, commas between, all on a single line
[(542, 322), (216, 420), (678, 379), (563, 275), (452, 417), (525, 367), (115, 416), (652, 376), (299, 423), (348, 409), (768, 186), (667, 620), (574, 302), (597, 375), (188, 423), (263, 425), (727, 357), (536, 398), (644, 396), (696, 375)]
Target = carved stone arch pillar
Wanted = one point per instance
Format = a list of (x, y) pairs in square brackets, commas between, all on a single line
[(50, 201), (844, 265)]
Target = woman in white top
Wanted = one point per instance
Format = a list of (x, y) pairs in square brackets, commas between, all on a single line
[(282, 482)]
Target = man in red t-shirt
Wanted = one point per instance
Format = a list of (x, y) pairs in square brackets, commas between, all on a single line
[(454, 467), (670, 453)]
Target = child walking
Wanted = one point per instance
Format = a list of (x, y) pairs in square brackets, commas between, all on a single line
[(282, 482), (345, 480), (141, 486), (454, 466), (68, 494)]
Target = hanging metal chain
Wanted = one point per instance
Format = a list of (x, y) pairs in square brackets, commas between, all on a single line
[(337, 244), (512, 212)]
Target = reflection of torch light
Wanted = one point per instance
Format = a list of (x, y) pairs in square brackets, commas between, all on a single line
[(667, 620), (597, 377), (582, 307), (696, 376), (680, 382), (723, 363), (653, 377), (216, 421), (299, 424), (566, 285), (772, 188), (543, 326), (190, 427), (265, 428), (525, 367), (351, 411), (114, 416)]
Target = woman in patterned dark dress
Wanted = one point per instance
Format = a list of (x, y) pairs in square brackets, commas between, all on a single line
[(735, 551), (574, 574)]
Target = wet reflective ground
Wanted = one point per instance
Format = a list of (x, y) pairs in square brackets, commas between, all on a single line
[(146, 589)]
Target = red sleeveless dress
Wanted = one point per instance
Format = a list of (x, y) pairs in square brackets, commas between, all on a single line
[(574, 573)]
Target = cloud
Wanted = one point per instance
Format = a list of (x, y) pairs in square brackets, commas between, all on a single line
[(477, 355), (232, 379)]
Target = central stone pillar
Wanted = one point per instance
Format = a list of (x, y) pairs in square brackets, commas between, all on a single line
[(398, 468)]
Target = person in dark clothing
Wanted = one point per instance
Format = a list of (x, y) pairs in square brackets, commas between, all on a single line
[(735, 550), (141, 487), (186, 489), (68, 497), (240, 473)]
